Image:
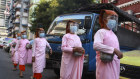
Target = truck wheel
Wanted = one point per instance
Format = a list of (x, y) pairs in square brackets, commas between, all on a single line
[(57, 72)]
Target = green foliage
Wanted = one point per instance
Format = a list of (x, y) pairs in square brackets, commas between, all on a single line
[(47, 10)]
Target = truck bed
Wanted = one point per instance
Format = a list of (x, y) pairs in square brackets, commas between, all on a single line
[(128, 38)]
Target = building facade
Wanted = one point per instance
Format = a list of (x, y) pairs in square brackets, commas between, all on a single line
[(3, 32), (18, 19), (130, 6), (3, 16)]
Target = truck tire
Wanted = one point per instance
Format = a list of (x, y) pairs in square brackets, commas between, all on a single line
[(57, 72)]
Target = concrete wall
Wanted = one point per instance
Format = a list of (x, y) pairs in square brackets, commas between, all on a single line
[(128, 38)]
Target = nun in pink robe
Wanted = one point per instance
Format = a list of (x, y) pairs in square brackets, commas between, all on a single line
[(71, 66), (29, 53), (29, 56), (39, 49), (15, 54), (12, 48), (106, 41), (21, 48), (22, 51)]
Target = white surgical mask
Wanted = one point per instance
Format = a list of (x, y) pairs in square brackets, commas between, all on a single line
[(73, 29), (18, 38), (111, 24), (41, 35), (24, 36)]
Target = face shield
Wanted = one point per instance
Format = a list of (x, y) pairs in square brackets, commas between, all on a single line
[(74, 24), (74, 27), (24, 36), (114, 20), (42, 31), (24, 33)]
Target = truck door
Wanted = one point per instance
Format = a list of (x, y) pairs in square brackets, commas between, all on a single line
[(92, 57)]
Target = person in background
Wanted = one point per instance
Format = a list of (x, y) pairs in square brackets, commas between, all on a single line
[(21, 49), (15, 54), (71, 65), (105, 41), (38, 55), (29, 52), (12, 46)]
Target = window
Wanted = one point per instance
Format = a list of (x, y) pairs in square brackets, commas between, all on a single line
[(58, 27)]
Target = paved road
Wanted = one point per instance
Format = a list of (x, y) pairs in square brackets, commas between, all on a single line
[(7, 73), (6, 67)]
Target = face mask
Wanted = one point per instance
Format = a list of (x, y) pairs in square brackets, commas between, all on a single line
[(41, 35), (24, 36), (73, 29), (18, 38), (111, 24)]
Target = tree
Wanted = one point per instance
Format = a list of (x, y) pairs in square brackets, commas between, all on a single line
[(47, 10), (42, 16)]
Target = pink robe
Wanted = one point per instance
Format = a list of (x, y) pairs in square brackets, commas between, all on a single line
[(21, 49), (39, 48), (29, 56), (15, 56), (12, 49), (106, 41), (71, 66)]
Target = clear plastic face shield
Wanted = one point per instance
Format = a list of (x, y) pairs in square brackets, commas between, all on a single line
[(113, 18), (74, 27), (24, 33), (74, 24), (41, 31)]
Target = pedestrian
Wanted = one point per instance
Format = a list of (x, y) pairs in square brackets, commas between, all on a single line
[(71, 64), (106, 45), (29, 52), (12, 47), (38, 55), (21, 49), (15, 54)]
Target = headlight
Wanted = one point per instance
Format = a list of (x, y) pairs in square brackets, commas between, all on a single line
[(86, 58)]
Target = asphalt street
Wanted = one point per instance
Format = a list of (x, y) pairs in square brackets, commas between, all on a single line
[(6, 71)]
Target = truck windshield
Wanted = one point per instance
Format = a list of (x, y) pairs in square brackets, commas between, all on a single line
[(58, 27)]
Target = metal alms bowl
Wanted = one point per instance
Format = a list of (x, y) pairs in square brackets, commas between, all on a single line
[(105, 57)]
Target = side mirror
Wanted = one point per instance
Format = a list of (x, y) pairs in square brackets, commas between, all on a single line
[(87, 23)]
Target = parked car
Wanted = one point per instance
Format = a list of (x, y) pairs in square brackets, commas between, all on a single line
[(1, 42), (6, 47), (6, 44)]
